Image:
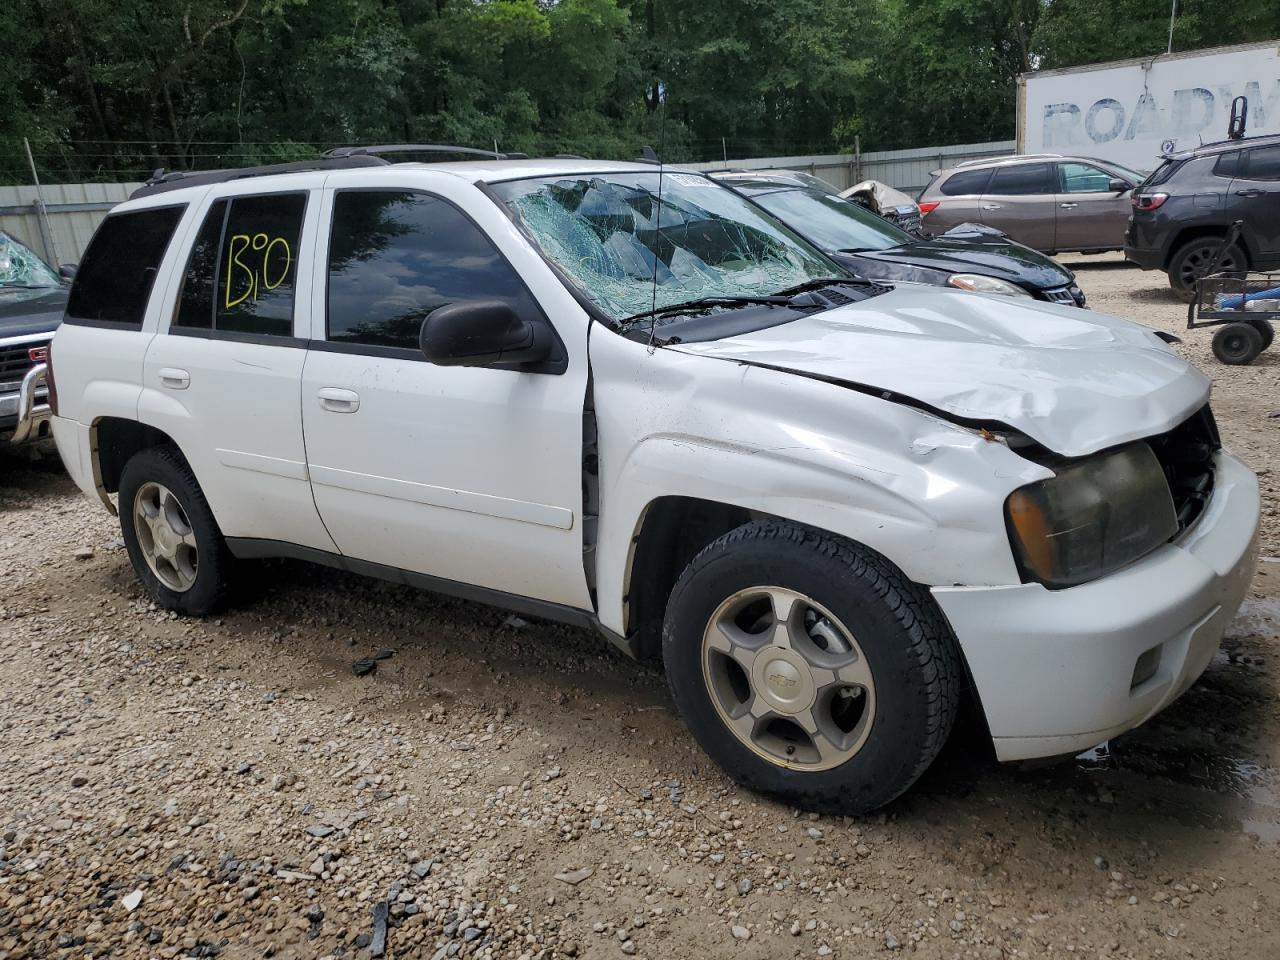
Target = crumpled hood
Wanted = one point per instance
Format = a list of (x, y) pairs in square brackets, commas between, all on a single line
[(1073, 380)]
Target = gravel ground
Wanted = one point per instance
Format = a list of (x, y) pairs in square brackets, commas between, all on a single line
[(502, 788)]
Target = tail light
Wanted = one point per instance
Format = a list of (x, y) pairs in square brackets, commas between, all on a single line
[(48, 380), (928, 206), (1148, 201)]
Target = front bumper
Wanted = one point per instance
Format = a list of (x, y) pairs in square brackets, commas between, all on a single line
[(27, 411), (1055, 669)]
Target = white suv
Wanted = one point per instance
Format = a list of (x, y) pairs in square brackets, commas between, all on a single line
[(833, 507)]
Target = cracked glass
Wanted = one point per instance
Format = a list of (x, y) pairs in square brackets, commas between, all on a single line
[(628, 255), (20, 268)]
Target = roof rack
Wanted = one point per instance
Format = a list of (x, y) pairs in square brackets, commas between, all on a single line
[(1009, 156), (161, 182), (380, 149)]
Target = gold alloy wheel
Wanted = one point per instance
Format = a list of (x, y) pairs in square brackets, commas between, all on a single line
[(165, 536), (788, 678)]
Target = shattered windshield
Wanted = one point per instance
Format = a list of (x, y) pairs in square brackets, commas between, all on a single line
[(609, 234), (20, 268)]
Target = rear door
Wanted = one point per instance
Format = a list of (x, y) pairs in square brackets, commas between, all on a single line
[(955, 200), (1021, 200), (471, 474), (223, 375), (1090, 214), (1255, 199)]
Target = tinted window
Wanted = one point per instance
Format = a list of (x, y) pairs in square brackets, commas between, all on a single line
[(1263, 163), (965, 182), (1021, 179), (394, 256), (243, 266), (1227, 165), (1163, 173), (115, 275), (1083, 178), (195, 305)]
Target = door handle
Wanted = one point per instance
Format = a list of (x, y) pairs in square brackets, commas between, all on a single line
[(1249, 193), (1068, 206), (991, 206), (174, 379), (337, 400)]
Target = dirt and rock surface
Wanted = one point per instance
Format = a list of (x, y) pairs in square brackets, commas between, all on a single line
[(503, 788)]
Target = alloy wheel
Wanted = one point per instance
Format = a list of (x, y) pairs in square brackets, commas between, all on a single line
[(165, 536), (788, 678)]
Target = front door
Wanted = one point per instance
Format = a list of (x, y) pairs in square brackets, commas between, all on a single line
[(1021, 200), (1090, 214), (222, 376), (1255, 199), (470, 474)]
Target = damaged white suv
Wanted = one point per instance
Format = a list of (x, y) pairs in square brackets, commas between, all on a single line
[(834, 508)]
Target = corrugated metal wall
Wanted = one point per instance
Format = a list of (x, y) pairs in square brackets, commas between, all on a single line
[(908, 170), (75, 210)]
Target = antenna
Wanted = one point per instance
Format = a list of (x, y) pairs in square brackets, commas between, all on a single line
[(657, 219)]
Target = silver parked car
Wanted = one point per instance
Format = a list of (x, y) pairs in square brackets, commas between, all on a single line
[(1052, 203)]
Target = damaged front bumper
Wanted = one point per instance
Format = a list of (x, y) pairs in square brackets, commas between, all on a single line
[(1060, 671)]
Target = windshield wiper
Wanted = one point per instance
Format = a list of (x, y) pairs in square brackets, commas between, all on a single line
[(23, 286), (703, 302), (817, 284)]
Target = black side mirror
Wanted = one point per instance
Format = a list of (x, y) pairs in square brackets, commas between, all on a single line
[(1118, 185), (67, 271), (477, 333)]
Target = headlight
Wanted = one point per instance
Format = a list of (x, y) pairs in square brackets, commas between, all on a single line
[(1092, 518), (977, 283)]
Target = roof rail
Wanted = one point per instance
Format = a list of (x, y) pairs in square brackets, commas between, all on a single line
[(380, 149), (1009, 156), (161, 182)]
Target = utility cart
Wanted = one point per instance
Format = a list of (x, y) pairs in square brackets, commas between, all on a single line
[(1244, 305)]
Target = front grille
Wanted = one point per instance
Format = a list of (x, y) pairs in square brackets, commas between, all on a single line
[(1072, 295), (15, 361), (1186, 454)]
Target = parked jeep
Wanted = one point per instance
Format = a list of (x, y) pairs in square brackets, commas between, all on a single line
[(828, 504), (1182, 212)]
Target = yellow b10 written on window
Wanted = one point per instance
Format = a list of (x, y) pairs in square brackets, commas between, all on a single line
[(255, 263)]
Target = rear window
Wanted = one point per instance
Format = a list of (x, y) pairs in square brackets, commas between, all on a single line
[(1162, 173), (965, 182), (1022, 179), (115, 275)]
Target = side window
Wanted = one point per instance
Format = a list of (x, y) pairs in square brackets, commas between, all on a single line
[(242, 268), (1021, 179), (1082, 178), (1262, 163), (394, 256), (118, 269), (1227, 165), (966, 182)]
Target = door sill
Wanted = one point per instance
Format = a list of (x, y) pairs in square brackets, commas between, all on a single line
[(253, 548)]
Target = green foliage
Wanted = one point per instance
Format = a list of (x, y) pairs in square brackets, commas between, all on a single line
[(112, 89)]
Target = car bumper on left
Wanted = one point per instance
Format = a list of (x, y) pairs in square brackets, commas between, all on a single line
[(1060, 671)]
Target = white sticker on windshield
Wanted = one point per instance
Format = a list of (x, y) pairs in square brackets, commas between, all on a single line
[(689, 179)]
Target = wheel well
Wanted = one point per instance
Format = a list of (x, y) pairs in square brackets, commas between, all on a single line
[(1188, 234), (672, 532), (116, 440)]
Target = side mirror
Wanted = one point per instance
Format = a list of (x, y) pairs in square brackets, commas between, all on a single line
[(67, 271), (1118, 185), (477, 333)]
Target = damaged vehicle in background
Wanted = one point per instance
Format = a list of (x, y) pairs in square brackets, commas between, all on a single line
[(970, 257), (885, 201), (32, 299), (630, 399)]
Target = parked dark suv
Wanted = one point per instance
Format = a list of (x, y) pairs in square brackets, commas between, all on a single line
[(1182, 211)]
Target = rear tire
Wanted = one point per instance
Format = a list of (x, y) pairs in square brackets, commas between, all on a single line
[(1237, 344), (1190, 262), (173, 541), (839, 682), (1265, 330)]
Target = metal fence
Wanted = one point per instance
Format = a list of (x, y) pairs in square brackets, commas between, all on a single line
[(908, 170), (72, 211)]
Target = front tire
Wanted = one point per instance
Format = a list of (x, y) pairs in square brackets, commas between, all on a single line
[(173, 541), (809, 667)]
